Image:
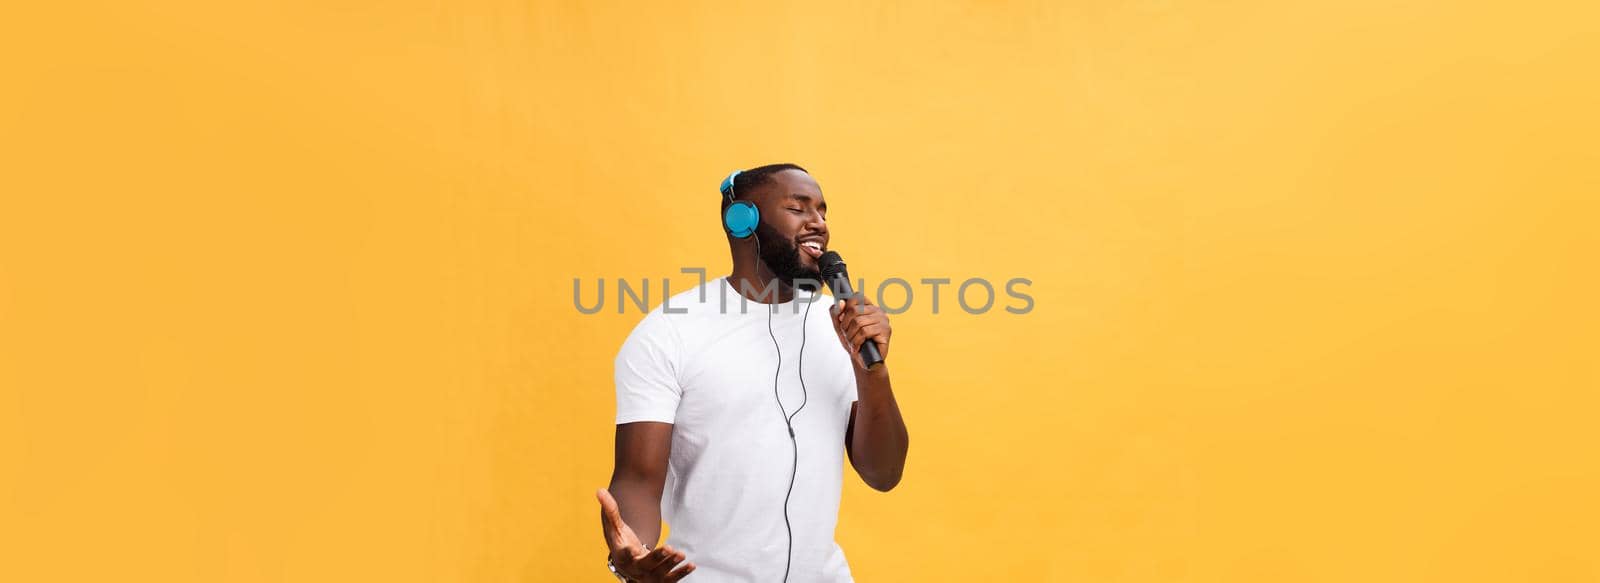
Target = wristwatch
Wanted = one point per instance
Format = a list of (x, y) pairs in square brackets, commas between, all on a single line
[(614, 572), (613, 567)]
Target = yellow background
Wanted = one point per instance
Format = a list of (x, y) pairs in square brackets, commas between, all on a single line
[(285, 288)]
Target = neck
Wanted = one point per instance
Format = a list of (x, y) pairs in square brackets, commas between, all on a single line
[(754, 280)]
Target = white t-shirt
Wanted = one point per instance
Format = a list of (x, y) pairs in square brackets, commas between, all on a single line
[(709, 372)]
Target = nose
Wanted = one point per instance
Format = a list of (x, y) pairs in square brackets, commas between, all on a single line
[(815, 217), (816, 223)]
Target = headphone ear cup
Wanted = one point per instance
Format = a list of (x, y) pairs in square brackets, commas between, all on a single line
[(740, 218)]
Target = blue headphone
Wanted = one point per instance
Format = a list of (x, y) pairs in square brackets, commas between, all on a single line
[(741, 216)]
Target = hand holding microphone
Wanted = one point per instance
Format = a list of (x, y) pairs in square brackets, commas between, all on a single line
[(863, 327)]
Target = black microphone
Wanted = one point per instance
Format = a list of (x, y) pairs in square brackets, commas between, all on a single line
[(833, 273)]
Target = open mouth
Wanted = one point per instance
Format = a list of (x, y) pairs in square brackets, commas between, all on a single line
[(812, 248)]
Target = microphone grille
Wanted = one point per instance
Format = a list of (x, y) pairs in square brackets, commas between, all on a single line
[(831, 264)]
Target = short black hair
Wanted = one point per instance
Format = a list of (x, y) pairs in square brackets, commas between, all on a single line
[(754, 177)]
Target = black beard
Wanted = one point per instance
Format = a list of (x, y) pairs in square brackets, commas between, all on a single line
[(783, 258)]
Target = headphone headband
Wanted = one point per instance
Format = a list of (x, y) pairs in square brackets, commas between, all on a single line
[(727, 184)]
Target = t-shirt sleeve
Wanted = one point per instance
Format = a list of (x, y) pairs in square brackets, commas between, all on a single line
[(647, 372)]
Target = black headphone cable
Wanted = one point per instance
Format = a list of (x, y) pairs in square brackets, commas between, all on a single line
[(788, 418)]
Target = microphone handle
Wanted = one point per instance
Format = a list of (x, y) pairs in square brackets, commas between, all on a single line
[(869, 353), (840, 285)]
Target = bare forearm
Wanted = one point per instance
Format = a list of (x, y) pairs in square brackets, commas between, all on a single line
[(879, 440), (640, 505)]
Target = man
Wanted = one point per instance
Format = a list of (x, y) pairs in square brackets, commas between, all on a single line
[(730, 427)]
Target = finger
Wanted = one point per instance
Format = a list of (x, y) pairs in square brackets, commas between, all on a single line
[(850, 330), (654, 558), (608, 509), (683, 571), (879, 326), (869, 317), (856, 337), (644, 562), (608, 505), (618, 534), (842, 319), (873, 329), (670, 560), (856, 342), (858, 329), (864, 332)]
